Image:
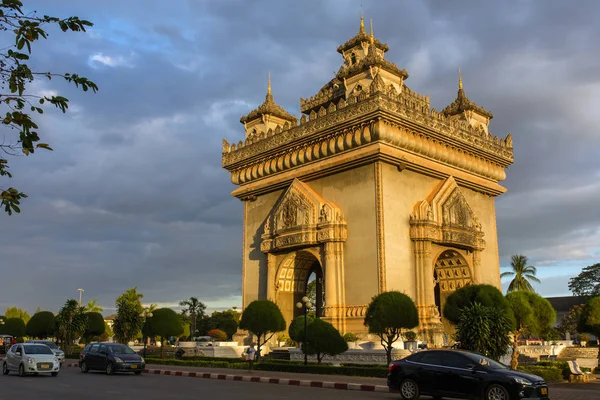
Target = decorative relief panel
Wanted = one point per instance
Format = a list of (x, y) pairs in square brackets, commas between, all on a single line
[(447, 219), (302, 218)]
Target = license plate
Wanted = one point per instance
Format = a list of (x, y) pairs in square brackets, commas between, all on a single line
[(133, 366), (45, 366), (544, 391)]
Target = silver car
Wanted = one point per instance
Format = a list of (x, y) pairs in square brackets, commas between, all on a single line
[(55, 349), (30, 358)]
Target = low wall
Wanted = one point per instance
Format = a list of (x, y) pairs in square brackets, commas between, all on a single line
[(354, 356)]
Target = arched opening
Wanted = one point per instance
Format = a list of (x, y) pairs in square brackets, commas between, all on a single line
[(352, 59), (314, 291), (451, 272), (293, 279)]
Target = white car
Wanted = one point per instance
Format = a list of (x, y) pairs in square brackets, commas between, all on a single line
[(55, 349), (30, 358)]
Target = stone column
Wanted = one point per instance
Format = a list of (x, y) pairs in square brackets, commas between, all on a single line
[(271, 278), (430, 325), (334, 283)]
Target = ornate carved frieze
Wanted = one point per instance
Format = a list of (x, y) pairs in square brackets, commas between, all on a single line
[(409, 106), (302, 218), (447, 219), (349, 311)]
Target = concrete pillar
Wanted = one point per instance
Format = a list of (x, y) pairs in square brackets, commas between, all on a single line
[(271, 276)]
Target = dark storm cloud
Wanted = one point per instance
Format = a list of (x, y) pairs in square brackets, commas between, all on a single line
[(134, 193)]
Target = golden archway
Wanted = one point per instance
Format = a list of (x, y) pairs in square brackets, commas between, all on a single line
[(451, 272)]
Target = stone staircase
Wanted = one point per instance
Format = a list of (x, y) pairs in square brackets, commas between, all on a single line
[(573, 353), (526, 360), (278, 354)]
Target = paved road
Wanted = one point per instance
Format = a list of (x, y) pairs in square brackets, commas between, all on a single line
[(71, 385)]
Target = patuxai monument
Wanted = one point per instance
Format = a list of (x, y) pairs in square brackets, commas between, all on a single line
[(372, 190)]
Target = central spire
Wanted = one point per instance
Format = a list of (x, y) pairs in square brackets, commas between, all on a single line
[(362, 24), (460, 84), (269, 83)]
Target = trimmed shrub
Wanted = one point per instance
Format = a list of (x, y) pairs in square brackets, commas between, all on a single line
[(562, 365), (350, 337), (218, 335), (41, 325), (549, 374)]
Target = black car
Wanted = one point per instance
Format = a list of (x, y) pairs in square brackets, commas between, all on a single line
[(461, 374), (110, 357)]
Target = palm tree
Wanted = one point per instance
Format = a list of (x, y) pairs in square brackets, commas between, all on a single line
[(92, 306), (195, 308), (522, 272)]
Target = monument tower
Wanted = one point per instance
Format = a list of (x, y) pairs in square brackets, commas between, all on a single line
[(372, 190)]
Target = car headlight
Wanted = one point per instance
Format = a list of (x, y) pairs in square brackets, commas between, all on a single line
[(521, 381), (142, 360), (31, 361), (55, 359), (117, 359)]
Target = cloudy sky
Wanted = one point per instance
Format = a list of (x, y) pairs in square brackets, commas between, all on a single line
[(134, 193)]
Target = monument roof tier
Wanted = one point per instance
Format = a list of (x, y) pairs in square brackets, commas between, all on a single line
[(367, 103)]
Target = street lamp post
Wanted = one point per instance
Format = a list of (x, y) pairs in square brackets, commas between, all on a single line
[(145, 314), (80, 295), (306, 304)]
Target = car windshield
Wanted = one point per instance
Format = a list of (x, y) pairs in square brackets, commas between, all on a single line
[(120, 350), (487, 362), (37, 349)]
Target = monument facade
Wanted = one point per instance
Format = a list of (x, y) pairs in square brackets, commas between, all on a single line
[(372, 190)]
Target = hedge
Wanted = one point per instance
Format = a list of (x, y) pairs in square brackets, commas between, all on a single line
[(562, 365), (380, 372), (549, 374), (281, 366)]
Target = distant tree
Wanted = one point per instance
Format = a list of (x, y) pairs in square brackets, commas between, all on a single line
[(484, 330), (128, 322), (589, 320), (92, 306), (95, 326), (37, 310), (263, 318), (224, 321), (587, 283), (16, 77), (486, 295), (41, 325), (217, 335), (296, 329), (569, 322), (14, 327), (389, 313), (164, 324), (186, 328), (533, 315), (69, 324), (522, 272), (14, 312), (323, 339), (108, 333), (195, 309)]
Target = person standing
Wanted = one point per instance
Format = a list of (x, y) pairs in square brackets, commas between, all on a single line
[(250, 355)]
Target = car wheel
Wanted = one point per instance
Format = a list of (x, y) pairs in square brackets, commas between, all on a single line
[(110, 369), (84, 367), (5, 369), (138, 372), (21, 370), (409, 390), (55, 374), (496, 392)]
